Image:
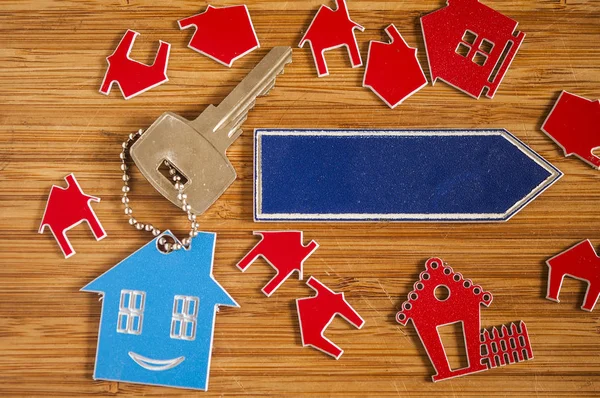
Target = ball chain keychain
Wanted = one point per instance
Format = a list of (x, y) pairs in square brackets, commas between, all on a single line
[(182, 197)]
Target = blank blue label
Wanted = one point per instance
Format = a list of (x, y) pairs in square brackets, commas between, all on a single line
[(443, 175)]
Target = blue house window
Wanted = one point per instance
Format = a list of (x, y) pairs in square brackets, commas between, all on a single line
[(131, 311), (185, 317)]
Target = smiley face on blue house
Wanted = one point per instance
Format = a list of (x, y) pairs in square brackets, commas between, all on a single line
[(158, 316)]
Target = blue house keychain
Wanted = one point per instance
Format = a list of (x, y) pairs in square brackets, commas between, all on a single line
[(159, 305), (158, 315)]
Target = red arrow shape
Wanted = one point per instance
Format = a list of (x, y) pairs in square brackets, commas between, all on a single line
[(574, 124), (393, 71), (316, 313), (284, 251)]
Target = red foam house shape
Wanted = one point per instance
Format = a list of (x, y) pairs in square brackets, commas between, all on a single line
[(332, 29), (579, 262), (133, 77), (393, 71), (316, 313), (223, 34), (284, 251), (470, 46), (574, 124), (462, 304), (67, 208)]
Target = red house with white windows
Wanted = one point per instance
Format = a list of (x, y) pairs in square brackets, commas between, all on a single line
[(470, 46)]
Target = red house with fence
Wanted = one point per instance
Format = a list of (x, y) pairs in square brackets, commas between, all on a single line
[(428, 310)]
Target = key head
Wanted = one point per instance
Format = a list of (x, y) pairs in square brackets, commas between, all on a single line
[(206, 168)]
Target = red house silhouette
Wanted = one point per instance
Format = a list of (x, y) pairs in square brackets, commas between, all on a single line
[(316, 313), (222, 33), (393, 71), (580, 262), (133, 77), (284, 251), (574, 124), (67, 208), (332, 29), (470, 46), (485, 350)]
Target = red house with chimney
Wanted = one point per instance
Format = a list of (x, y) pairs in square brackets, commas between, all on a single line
[(284, 251), (470, 46), (428, 310), (332, 29), (67, 208)]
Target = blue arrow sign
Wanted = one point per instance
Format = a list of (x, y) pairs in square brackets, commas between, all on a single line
[(402, 175)]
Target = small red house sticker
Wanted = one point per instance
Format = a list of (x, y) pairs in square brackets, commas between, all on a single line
[(470, 46), (67, 208), (579, 262), (332, 29), (224, 34)]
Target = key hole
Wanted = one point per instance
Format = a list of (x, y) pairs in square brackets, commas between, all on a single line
[(165, 169)]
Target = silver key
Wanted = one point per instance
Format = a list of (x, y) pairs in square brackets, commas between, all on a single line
[(197, 149)]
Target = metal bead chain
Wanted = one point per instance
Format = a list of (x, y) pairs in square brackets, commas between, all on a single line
[(167, 247)]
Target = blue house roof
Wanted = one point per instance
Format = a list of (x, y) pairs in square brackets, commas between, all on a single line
[(182, 271)]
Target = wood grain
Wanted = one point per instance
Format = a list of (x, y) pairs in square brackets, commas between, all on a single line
[(53, 121)]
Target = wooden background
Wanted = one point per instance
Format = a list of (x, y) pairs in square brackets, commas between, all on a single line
[(53, 121)]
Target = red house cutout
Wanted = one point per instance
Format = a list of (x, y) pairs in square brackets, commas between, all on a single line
[(579, 262), (470, 46), (485, 349), (133, 77), (332, 29), (222, 33), (284, 251), (67, 208), (316, 313), (393, 71), (574, 124)]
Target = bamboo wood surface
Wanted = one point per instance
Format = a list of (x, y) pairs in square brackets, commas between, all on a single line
[(53, 121)]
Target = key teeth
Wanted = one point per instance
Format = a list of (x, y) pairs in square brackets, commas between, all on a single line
[(267, 89), (239, 122), (235, 134), (236, 126)]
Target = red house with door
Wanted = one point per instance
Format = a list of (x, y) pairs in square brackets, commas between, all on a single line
[(470, 46), (461, 303), (67, 208), (332, 29), (579, 262), (427, 312)]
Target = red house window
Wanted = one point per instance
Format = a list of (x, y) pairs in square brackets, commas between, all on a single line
[(466, 45)]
